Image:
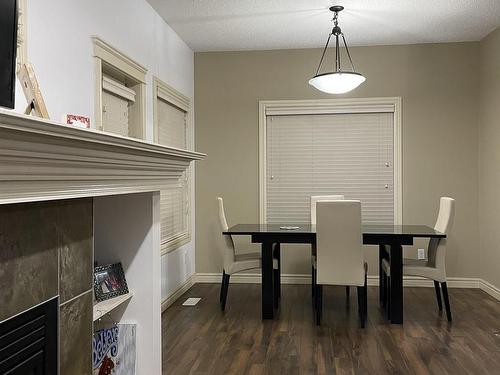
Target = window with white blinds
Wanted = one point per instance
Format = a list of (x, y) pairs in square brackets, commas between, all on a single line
[(174, 205), (116, 98), (171, 129), (171, 125), (322, 154)]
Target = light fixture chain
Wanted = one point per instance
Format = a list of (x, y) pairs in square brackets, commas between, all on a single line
[(338, 67), (323, 55), (348, 53)]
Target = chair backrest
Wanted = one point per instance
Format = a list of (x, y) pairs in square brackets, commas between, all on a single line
[(227, 246), (339, 243), (437, 247), (321, 198)]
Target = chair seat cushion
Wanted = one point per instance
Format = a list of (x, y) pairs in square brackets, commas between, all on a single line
[(416, 267), (246, 256), (248, 261)]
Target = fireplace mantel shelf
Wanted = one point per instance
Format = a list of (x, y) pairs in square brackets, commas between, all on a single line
[(46, 160)]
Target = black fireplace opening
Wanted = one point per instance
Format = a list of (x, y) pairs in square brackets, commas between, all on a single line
[(28, 341)]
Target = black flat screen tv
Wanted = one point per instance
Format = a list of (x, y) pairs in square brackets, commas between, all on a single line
[(8, 50)]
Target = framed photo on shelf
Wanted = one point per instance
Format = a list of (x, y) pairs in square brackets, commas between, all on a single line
[(109, 282)]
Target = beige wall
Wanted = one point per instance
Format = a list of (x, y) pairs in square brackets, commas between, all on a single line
[(489, 158), (438, 84)]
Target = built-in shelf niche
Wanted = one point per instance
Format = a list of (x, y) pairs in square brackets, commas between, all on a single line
[(126, 230), (101, 309)]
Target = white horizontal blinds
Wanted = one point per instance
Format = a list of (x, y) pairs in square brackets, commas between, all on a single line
[(114, 114), (174, 211), (349, 154), (171, 125), (115, 101), (174, 200)]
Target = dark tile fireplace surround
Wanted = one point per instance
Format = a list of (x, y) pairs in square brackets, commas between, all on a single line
[(46, 252)]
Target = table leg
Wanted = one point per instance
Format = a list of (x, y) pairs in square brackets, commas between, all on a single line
[(381, 256), (267, 281), (277, 275), (313, 273), (396, 296)]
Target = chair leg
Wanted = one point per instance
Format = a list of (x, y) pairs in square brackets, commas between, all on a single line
[(277, 288), (314, 286), (382, 290), (222, 285), (313, 282), (319, 303), (347, 292), (277, 273), (226, 288), (366, 296), (388, 297), (438, 295), (361, 307), (444, 288)]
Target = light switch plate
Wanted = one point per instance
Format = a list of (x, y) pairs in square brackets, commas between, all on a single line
[(421, 254)]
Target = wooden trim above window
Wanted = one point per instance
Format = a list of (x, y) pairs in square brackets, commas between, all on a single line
[(171, 95), (118, 59)]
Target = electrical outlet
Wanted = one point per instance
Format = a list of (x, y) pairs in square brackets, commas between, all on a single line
[(421, 254)]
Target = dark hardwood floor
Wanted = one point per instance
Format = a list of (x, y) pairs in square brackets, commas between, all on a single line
[(203, 340)]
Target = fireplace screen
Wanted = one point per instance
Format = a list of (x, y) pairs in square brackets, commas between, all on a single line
[(28, 341)]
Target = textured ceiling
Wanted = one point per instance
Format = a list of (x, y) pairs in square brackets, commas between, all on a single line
[(224, 25)]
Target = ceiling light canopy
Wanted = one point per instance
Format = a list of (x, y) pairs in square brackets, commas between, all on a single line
[(338, 81)]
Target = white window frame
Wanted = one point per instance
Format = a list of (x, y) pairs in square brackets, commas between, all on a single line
[(165, 92), (106, 55), (331, 106)]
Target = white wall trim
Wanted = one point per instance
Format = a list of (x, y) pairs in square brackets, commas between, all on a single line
[(303, 279), (408, 281), (323, 106), (489, 288), (174, 296)]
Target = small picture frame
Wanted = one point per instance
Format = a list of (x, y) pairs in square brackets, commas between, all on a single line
[(109, 282), (77, 121)]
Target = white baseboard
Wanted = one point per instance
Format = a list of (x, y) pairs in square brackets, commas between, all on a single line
[(167, 302), (490, 289), (251, 278), (255, 278), (409, 281)]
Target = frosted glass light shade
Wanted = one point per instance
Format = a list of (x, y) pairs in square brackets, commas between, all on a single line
[(338, 82)]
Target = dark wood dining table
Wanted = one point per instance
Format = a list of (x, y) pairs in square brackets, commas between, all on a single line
[(389, 238)]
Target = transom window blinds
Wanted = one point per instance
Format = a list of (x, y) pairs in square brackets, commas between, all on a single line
[(174, 199), (172, 125), (349, 154), (115, 105)]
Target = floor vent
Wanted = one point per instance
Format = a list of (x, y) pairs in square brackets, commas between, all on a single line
[(191, 301)]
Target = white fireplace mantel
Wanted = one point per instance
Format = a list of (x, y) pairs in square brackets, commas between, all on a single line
[(46, 160)]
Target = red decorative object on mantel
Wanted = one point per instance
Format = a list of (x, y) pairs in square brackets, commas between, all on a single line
[(77, 120)]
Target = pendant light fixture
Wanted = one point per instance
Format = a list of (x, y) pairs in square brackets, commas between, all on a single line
[(338, 81)]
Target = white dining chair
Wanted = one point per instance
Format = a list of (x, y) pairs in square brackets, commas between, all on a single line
[(234, 261), (339, 252), (315, 199), (434, 267)]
